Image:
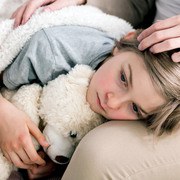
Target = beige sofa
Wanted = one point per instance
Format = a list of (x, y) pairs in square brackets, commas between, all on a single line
[(125, 151), (140, 13)]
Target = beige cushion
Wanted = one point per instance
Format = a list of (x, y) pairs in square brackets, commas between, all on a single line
[(125, 150)]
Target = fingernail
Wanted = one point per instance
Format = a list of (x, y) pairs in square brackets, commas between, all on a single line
[(46, 143), (158, 20), (176, 57), (140, 47), (138, 38)]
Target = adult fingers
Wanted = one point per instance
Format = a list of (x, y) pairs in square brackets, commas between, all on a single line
[(159, 36), (32, 153), (14, 14), (31, 7), (166, 45), (37, 134), (6, 155), (15, 159), (160, 25), (24, 12), (18, 16), (176, 57), (59, 4), (24, 157)]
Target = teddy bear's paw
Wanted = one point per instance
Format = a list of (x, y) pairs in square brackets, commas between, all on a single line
[(27, 100), (8, 94)]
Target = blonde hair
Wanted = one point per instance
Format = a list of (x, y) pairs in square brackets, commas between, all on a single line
[(165, 75)]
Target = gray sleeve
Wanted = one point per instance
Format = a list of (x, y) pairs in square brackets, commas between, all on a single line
[(79, 45), (34, 63)]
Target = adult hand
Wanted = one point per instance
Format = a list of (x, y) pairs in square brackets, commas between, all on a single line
[(24, 12), (42, 171), (162, 36), (15, 140)]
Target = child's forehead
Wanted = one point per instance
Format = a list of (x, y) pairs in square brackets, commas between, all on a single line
[(129, 56)]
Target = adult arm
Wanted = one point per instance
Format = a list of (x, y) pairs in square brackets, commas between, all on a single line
[(162, 36), (24, 12), (15, 139)]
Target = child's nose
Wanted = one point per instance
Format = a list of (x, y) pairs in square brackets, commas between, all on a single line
[(114, 101)]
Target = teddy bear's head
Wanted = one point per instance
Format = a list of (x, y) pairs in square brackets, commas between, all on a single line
[(67, 114), (61, 147)]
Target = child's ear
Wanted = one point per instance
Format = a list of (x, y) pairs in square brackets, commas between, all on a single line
[(130, 35)]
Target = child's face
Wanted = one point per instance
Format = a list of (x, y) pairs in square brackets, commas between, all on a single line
[(122, 88)]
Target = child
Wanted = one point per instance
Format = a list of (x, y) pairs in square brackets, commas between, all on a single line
[(128, 84)]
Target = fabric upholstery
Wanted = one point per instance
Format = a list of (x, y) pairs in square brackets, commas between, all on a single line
[(125, 150), (137, 12)]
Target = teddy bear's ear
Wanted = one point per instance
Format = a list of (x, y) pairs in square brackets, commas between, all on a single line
[(80, 72)]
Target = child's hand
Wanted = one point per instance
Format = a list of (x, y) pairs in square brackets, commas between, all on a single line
[(24, 12), (42, 171), (162, 36), (15, 140)]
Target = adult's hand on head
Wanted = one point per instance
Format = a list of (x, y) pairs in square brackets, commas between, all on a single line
[(162, 36), (15, 140), (24, 12)]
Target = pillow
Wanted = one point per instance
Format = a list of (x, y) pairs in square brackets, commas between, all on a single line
[(133, 11)]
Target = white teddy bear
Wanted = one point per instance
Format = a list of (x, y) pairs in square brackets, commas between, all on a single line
[(62, 107)]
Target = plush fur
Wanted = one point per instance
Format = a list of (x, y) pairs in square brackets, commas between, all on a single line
[(62, 103)]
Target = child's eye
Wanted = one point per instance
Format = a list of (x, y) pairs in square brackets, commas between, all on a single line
[(135, 108), (123, 78)]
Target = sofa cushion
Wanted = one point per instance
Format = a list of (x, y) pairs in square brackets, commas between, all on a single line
[(134, 11)]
